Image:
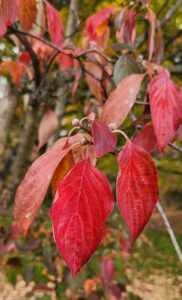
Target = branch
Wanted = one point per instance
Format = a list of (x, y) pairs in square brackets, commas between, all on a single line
[(46, 42), (172, 54), (21, 161), (164, 20), (170, 13), (30, 50), (102, 67), (72, 19), (175, 70), (173, 38), (175, 148), (170, 231), (165, 4)]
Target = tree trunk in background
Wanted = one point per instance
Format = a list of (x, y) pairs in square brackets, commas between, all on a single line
[(8, 102), (32, 120), (27, 140), (8, 105), (22, 159), (73, 18)]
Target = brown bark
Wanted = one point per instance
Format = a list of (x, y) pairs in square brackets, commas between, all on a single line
[(22, 159), (8, 104), (73, 18)]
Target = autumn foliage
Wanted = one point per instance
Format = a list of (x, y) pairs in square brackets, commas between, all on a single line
[(116, 77)]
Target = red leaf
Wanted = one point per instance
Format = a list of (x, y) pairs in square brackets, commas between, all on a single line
[(25, 58), (48, 127), (12, 68), (104, 140), (8, 14), (77, 76), (137, 188), (125, 245), (78, 215), (94, 84), (150, 16), (146, 138), (97, 29), (70, 65), (66, 61), (55, 25), (122, 99), (66, 164), (27, 12), (127, 32), (117, 291), (159, 47), (32, 190), (81, 152), (166, 108), (107, 270)]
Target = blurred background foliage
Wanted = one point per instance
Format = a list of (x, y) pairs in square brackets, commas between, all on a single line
[(32, 268)]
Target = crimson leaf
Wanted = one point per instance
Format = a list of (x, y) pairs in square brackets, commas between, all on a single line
[(27, 12), (104, 140), (122, 99), (8, 14), (166, 108), (137, 188), (32, 190), (55, 25), (146, 138), (78, 215)]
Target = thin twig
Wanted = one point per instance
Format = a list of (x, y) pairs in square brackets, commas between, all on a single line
[(46, 42), (175, 147), (28, 47), (170, 13), (163, 21), (170, 231)]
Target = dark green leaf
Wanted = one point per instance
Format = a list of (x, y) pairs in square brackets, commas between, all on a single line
[(125, 66)]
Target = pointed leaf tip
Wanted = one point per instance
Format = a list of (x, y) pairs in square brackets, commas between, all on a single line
[(27, 11), (122, 99), (104, 140), (55, 25), (78, 215), (137, 188), (166, 108)]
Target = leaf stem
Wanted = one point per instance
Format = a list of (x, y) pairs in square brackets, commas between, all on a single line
[(122, 133), (73, 130)]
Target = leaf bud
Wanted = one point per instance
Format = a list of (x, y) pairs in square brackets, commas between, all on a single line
[(83, 141), (112, 126), (75, 122)]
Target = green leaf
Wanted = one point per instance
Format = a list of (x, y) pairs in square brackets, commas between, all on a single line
[(125, 66), (119, 47)]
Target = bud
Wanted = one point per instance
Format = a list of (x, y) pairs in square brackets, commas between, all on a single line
[(75, 122), (83, 141), (112, 126)]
